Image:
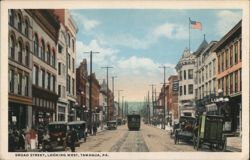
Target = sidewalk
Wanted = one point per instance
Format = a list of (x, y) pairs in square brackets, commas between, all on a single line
[(167, 127), (234, 144)]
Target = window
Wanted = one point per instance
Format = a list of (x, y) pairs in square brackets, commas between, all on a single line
[(231, 83), (54, 83), (226, 58), (19, 83), (26, 28), (26, 85), (35, 75), (43, 51), (240, 80), (202, 90), (180, 75), (210, 69), (214, 67), (27, 56), (12, 47), (68, 60), (180, 90), (190, 74), (73, 86), (206, 72), (35, 42), (227, 83), (59, 91), (184, 75), (222, 61), (222, 84), (214, 85), (190, 89), (73, 45), (53, 59), (48, 81), (73, 65), (236, 82), (60, 48), (231, 55), (11, 17), (210, 89), (48, 54), (69, 40), (199, 76), (236, 53), (240, 50), (43, 78), (19, 23), (11, 81), (20, 52), (202, 72), (218, 63), (184, 89), (59, 68)]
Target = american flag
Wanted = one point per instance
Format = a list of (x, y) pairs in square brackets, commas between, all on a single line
[(196, 24)]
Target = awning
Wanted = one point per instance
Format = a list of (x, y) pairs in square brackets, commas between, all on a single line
[(211, 107)]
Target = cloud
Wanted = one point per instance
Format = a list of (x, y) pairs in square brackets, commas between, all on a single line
[(227, 20), (84, 22), (171, 31), (106, 55)]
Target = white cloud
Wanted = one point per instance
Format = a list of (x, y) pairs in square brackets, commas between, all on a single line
[(227, 20), (171, 31), (84, 22), (106, 55)]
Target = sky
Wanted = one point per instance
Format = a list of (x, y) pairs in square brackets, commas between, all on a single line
[(136, 42)]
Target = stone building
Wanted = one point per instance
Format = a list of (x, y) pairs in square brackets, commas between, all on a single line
[(205, 77), (71, 31), (20, 68), (229, 77), (185, 69)]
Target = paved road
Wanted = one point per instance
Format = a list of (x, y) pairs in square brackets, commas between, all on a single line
[(148, 139)]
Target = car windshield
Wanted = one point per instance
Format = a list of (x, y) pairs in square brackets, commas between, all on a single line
[(57, 127)]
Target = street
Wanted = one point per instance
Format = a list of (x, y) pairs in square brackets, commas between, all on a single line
[(148, 139)]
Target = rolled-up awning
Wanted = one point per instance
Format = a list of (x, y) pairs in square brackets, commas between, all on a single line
[(211, 107)]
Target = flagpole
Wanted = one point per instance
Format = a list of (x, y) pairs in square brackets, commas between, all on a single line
[(189, 35)]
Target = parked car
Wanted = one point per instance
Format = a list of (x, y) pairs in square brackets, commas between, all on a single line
[(112, 124), (81, 129)]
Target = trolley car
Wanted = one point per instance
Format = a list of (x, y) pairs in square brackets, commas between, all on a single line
[(134, 122)]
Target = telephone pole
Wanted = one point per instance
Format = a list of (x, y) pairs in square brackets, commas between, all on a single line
[(119, 110), (152, 97), (107, 67), (122, 105), (90, 89), (113, 90), (148, 109), (164, 99)]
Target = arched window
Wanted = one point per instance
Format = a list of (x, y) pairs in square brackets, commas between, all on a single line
[(48, 54), (53, 59), (11, 17), (35, 41), (20, 52), (19, 22), (26, 28), (43, 51), (73, 45), (68, 39), (27, 50), (12, 47)]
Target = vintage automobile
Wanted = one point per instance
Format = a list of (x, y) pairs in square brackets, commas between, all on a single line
[(185, 129), (210, 132), (134, 122), (81, 129), (111, 125), (57, 132), (119, 121)]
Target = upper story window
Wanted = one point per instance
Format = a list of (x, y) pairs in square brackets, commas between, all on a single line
[(48, 54), (231, 55), (27, 51), (53, 59), (226, 58), (19, 22), (180, 75), (12, 47), (73, 45), (190, 74), (236, 53), (184, 74), (69, 40), (20, 52), (35, 44), (11, 17), (11, 81), (26, 28), (60, 48), (43, 50)]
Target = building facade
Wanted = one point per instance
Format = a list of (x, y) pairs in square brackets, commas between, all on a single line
[(229, 77), (20, 68), (71, 31), (205, 79), (185, 69)]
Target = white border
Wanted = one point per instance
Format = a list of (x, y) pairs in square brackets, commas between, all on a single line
[(146, 4)]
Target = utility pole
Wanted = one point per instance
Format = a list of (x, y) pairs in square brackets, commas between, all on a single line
[(107, 67), (155, 103), (152, 97), (90, 90), (164, 99), (122, 105), (119, 109), (148, 109), (113, 90)]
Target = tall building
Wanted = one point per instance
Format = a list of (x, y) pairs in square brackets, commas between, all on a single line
[(185, 69), (229, 77), (71, 31), (205, 78), (20, 68), (44, 81)]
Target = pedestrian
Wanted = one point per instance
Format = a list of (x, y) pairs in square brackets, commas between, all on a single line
[(21, 142), (33, 138), (27, 140), (11, 141), (72, 139), (45, 141), (94, 128), (16, 138)]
